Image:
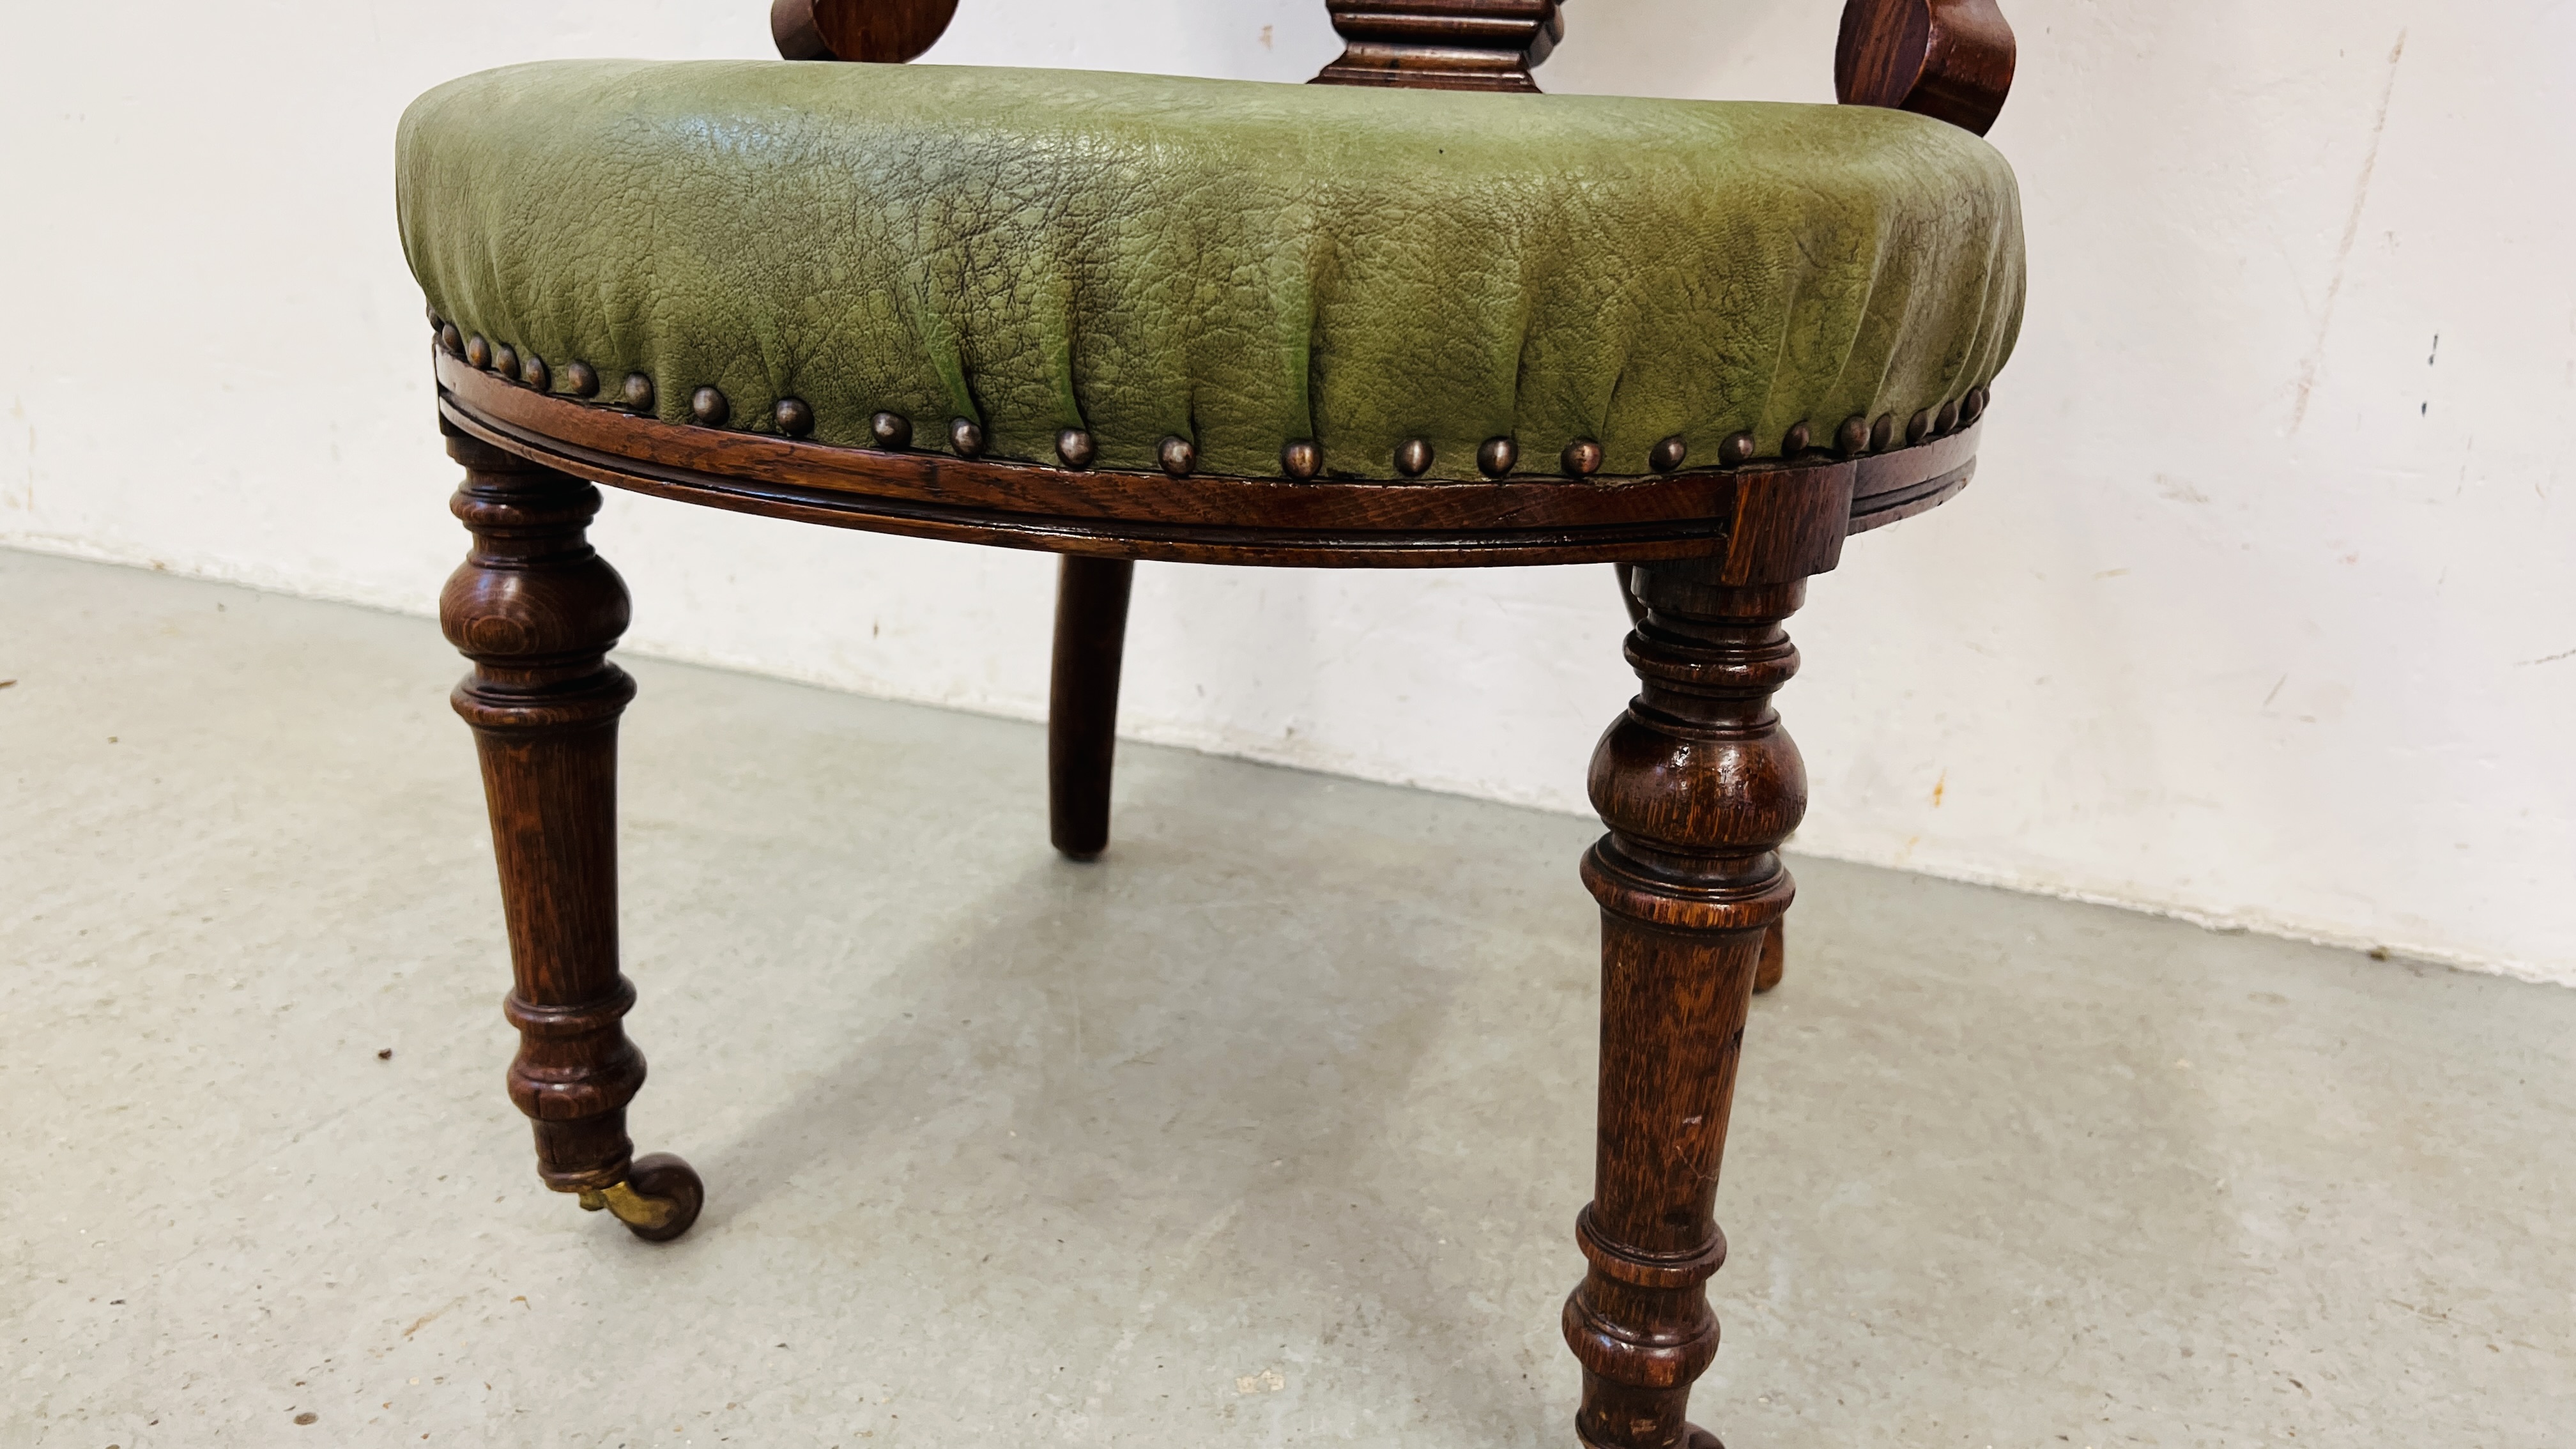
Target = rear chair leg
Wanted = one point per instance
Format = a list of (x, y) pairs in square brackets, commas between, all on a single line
[(1082, 705), (537, 611)]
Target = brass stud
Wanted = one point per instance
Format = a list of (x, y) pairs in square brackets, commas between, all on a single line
[(892, 431), (792, 415), (1974, 407), (1582, 457), (1853, 436), (1736, 451), (638, 393), (965, 437), (1301, 459), (505, 361), (1920, 427), (1177, 456), (1497, 457), (1949, 417), (452, 340), (1668, 454), (435, 321), (1796, 440), (532, 371), (1413, 457), (478, 353), (1882, 432), (708, 408), (1075, 447), (579, 380)]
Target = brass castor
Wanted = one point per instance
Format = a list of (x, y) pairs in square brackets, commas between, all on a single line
[(658, 1200)]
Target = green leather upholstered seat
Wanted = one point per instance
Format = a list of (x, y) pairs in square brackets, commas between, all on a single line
[(1236, 263)]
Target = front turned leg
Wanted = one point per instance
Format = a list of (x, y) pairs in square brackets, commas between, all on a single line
[(1698, 786), (537, 611), (1775, 942)]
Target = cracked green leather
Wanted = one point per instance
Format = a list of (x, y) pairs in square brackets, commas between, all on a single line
[(1237, 263)]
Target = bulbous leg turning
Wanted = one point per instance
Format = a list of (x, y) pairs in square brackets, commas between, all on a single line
[(1698, 786), (537, 610), (1775, 942)]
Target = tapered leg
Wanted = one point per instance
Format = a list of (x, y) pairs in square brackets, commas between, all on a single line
[(537, 611), (1082, 704), (1698, 785), (1775, 943)]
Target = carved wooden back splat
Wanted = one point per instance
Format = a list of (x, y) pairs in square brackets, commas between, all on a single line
[(1948, 59), (1462, 45)]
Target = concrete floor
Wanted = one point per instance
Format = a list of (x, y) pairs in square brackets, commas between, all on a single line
[(1270, 1129)]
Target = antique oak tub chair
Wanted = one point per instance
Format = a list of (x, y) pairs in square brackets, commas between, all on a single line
[(1387, 322)]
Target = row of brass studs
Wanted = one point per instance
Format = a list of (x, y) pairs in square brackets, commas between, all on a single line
[(1302, 459)]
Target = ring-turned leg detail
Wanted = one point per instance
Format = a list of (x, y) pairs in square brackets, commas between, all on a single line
[(1698, 785), (537, 611), (1775, 943)]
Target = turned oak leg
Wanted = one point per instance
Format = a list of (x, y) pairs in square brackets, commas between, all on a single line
[(1775, 942), (1698, 785), (1082, 705), (537, 610)]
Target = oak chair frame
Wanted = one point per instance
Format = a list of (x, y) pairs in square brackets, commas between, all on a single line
[(1696, 782)]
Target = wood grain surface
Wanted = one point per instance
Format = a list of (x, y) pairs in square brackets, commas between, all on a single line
[(1698, 785), (1949, 59), (537, 610)]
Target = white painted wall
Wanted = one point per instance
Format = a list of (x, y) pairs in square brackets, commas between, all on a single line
[(2263, 609)]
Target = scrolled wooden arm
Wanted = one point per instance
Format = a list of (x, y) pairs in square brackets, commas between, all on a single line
[(880, 30), (1948, 59)]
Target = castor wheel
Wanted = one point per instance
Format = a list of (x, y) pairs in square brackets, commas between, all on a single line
[(658, 1200), (1695, 1437)]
